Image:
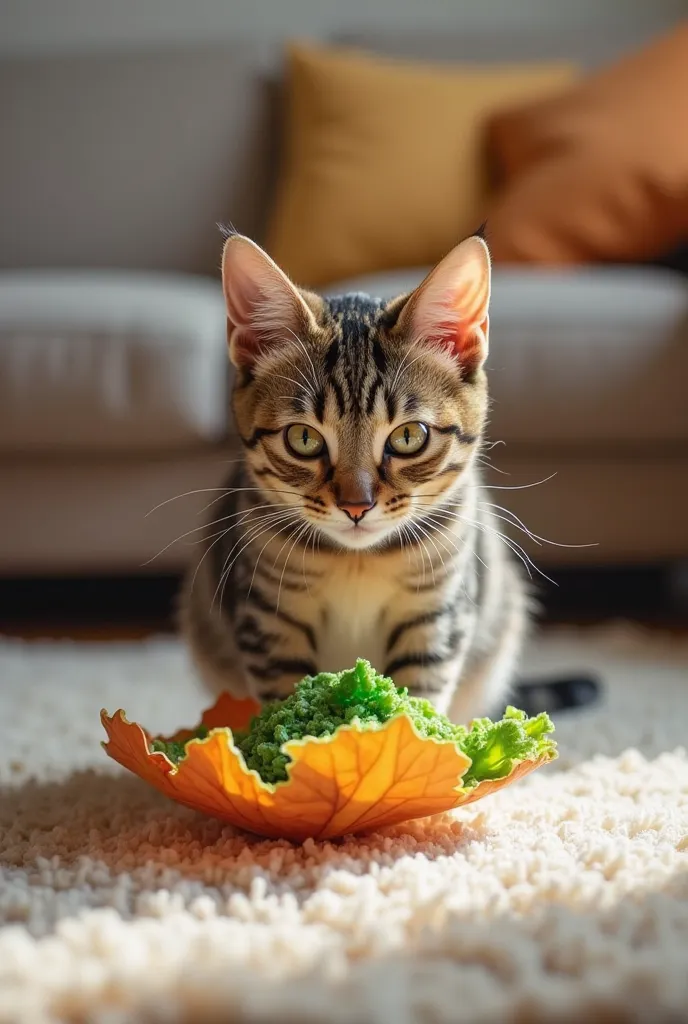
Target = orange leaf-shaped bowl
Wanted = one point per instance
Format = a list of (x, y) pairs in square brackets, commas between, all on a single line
[(358, 779)]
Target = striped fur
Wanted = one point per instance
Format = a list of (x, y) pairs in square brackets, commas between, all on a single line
[(287, 584)]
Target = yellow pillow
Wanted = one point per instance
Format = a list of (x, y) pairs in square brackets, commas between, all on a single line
[(384, 164)]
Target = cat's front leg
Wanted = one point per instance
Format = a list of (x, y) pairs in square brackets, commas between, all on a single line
[(243, 640), (276, 648), (426, 652)]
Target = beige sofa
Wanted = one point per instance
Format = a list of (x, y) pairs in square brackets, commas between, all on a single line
[(113, 372)]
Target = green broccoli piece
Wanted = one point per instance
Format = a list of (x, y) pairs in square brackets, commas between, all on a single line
[(320, 704)]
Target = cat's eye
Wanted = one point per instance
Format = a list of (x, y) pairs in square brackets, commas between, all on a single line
[(408, 439), (304, 440)]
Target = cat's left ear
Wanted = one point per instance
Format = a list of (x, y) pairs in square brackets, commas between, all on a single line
[(450, 307), (264, 308)]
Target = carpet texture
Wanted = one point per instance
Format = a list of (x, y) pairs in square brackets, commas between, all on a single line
[(562, 898)]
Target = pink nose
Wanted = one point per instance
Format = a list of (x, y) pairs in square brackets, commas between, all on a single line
[(355, 511)]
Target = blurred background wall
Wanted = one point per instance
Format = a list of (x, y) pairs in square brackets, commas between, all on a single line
[(58, 25)]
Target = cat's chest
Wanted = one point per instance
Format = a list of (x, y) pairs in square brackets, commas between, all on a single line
[(354, 612)]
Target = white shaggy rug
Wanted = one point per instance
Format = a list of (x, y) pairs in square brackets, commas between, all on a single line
[(564, 897)]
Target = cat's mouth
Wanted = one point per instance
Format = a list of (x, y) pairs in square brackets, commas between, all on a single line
[(364, 534)]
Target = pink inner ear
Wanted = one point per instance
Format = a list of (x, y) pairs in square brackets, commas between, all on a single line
[(245, 345), (452, 308), (469, 343), (471, 298), (263, 306), (244, 296)]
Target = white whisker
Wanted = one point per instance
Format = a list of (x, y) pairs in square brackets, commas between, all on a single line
[(424, 551), (486, 464), (426, 534), (310, 537), (298, 369), (185, 494), (268, 541), (515, 547), (520, 487), (404, 537), (419, 521), (254, 531), (411, 364), (517, 523), (509, 541), (296, 383), (218, 538), (533, 536), (511, 522), (305, 352), (254, 523), (451, 537), (300, 533), (215, 522), (197, 490), (401, 365), (236, 490)]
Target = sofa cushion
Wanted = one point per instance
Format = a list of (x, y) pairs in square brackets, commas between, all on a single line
[(599, 172), (384, 163), (581, 356), (96, 361)]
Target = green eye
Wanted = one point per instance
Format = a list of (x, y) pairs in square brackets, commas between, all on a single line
[(304, 440), (408, 439)]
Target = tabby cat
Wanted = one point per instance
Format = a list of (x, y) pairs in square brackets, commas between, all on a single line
[(356, 524)]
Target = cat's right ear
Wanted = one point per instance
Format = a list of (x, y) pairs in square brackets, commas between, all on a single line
[(264, 308)]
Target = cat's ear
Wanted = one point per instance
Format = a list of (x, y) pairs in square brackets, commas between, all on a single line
[(263, 306), (450, 307)]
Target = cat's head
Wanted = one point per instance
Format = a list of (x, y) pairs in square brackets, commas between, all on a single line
[(359, 415)]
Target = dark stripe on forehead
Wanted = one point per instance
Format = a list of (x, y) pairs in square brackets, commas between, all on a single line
[(332, 356), (355, 318), (319, 406), (372, 395), (379, 355), (339, 395)]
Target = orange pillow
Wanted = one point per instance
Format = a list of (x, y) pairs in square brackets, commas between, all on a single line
[(384, 161), (600, 172)]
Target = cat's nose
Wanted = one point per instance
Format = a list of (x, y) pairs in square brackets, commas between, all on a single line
[(354, 492), (355, 510)]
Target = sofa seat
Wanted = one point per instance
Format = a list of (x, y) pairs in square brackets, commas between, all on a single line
[(581, 358), (107, 361)]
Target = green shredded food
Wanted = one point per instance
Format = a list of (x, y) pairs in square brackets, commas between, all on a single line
[(176, 749), (320, 704)]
